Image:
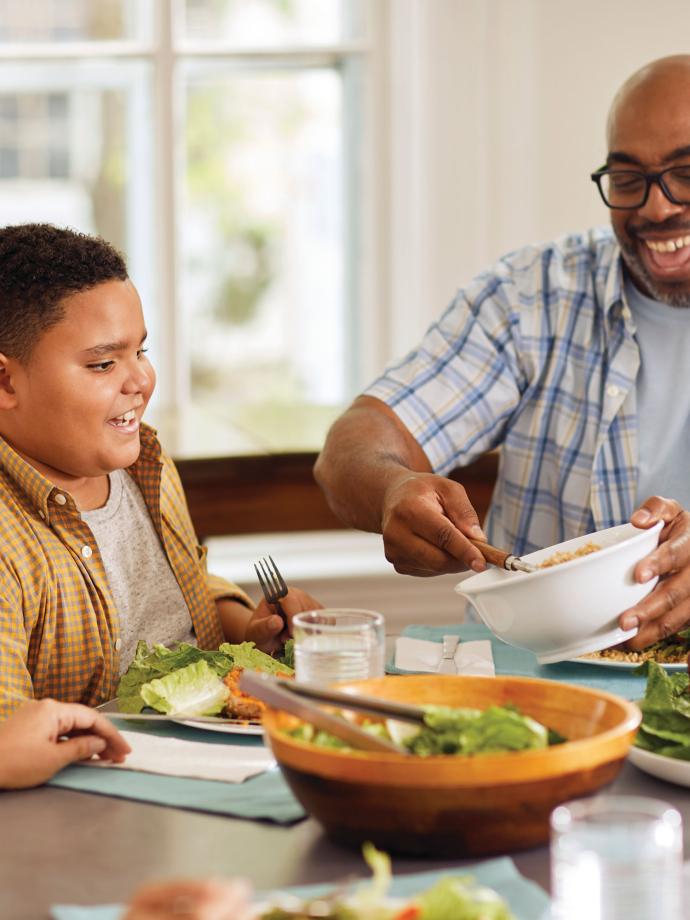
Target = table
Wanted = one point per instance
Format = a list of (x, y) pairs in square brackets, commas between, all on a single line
[(59, 846)]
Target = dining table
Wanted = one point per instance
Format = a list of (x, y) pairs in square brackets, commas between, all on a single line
[(63, 846)]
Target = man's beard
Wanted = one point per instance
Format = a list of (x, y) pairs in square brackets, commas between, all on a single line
[(639, 273)]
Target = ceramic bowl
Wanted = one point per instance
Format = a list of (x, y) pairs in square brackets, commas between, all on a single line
[(459, 805), (569, 609)]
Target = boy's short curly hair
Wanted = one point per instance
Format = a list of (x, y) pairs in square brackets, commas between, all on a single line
[(40, 265)]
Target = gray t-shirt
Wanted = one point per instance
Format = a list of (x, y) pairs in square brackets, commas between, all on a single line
[(663, 397), (149, 601)]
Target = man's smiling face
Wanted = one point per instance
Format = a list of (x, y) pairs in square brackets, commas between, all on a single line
[(649, 130)]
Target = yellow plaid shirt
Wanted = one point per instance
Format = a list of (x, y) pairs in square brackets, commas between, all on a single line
[(59, 630)]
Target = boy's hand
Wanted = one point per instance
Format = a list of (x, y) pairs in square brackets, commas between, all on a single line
[(44, 736), (266, 628)]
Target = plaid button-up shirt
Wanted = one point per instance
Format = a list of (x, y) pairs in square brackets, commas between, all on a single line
[(58, 622), (537, 356)]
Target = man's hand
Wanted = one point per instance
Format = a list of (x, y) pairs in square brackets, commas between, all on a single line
[(44, 736), (266, 629), (667, 609), (195, 900), (426, 521)]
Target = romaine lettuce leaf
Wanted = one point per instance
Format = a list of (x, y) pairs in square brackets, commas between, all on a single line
[(247, 655), (157, 661), (665, 727), (195, 690), (472, 731), (460, 899)]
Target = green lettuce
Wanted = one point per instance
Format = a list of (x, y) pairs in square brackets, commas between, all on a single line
[(665, 727), (247, 655), (195, 690), (157, 661), (474, 731), (461, 899)]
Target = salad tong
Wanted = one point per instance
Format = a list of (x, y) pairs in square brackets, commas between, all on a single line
[(296, 698)]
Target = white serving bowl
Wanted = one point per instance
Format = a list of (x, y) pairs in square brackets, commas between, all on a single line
[(569, 609)]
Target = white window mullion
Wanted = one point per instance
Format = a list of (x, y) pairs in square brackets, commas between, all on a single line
[(173, 373)]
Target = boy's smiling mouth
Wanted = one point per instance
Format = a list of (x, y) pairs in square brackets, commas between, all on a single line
[(127, 422)]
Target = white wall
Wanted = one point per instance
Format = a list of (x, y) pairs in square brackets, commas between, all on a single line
[(497, 111)]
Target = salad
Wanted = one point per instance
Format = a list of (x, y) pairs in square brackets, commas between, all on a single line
[(190, 681), (452, 731), (665, 727), (451, 898)]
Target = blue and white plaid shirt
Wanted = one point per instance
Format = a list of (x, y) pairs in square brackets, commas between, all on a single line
[(536, 355)]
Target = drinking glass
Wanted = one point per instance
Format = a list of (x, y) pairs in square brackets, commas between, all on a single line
[(338, 644), (616, 858)]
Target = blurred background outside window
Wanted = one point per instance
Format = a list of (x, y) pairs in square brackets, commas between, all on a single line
[(217, 143)]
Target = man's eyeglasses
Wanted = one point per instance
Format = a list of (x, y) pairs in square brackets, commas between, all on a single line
[(628, 189)]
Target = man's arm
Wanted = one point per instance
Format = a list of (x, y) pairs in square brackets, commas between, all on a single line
[(376, 477)]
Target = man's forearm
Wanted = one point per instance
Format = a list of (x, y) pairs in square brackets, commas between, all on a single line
[(366, 451)]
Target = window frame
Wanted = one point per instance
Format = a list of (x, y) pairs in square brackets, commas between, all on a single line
[(158, 43)]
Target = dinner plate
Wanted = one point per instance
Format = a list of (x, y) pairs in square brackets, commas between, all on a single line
[(668, 768), (612, 663), (230, 728), (290, 902)]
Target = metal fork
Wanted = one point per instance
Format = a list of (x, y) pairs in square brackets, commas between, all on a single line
[(272, 584)]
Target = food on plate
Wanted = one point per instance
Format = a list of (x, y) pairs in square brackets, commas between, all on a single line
[(453, 896), (671, 650), (558, 558), (452, 731), (188, 680), (241, 705), (665, 727)]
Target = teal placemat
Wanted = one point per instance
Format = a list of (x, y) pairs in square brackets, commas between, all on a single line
[(263, 797), (527, 900), (510, 660)]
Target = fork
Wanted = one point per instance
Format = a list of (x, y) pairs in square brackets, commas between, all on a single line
[(272, 584)]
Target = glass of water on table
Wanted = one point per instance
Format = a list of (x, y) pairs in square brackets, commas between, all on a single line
[(338, 644), (616, 857)]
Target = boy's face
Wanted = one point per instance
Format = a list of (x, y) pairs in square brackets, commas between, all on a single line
[(78, 400)]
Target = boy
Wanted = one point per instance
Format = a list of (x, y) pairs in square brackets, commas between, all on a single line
[(97, 549)]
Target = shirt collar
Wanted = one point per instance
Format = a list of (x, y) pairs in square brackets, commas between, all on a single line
[(44, 494)]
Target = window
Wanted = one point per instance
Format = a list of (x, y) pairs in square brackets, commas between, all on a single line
[(219, 144)]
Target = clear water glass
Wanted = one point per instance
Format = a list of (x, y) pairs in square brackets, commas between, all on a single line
[(338, 644), (616, 858)]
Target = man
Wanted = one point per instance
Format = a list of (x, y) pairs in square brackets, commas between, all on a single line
[(97, 549), (571, 356)]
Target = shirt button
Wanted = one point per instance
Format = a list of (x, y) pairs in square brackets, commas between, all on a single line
[(613, 390), (86, 552), (60, 498), (118, 645)]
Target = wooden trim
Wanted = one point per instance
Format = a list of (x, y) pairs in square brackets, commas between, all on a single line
[(276, 493)]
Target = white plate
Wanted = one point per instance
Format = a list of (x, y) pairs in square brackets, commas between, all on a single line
[(285, 901), (231, 728), (668, 768), (612, 663)]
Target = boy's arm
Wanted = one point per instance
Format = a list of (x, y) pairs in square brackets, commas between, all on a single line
[(16, 686)]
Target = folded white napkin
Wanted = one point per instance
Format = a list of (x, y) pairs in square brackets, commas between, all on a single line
[(231, 763), (421, 655)]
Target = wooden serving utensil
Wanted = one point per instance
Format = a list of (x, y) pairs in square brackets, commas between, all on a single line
[(501, 558), (280, 694)]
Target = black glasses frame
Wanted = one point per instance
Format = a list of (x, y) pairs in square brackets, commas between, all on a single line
[(650, 179)]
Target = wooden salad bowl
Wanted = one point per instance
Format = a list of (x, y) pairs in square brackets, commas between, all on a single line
[(460, 805)]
